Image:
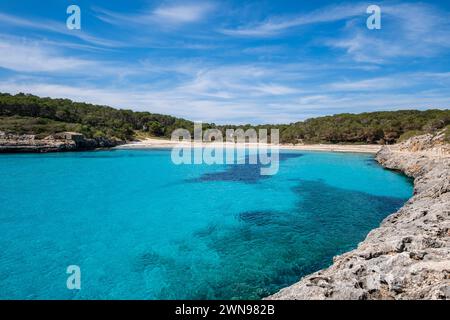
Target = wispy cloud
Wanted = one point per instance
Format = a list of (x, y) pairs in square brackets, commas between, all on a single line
[(183, 13), (409, 30), (56, 28), (166, 15), (236, 82), (276, 25), (29, 56), (381, 83), (392, 82)]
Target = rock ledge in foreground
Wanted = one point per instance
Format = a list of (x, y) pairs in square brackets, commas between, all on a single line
[(408, 256)]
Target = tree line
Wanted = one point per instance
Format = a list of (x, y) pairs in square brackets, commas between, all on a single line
[(91, 120), (29, 114)]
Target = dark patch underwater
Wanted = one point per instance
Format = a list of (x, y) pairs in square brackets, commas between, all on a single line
[(246, 173), (269, 250)]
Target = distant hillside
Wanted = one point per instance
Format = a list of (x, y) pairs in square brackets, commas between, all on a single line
[(366, 128), (28, 114), (385, 127)]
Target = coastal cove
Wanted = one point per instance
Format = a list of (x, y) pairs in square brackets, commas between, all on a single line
[(182, 232), (224, 159), (406, 257)]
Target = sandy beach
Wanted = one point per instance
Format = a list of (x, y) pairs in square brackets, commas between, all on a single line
[(152, 143)]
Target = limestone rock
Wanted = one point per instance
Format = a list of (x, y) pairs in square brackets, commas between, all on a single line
[(65, 141), (408, 256)]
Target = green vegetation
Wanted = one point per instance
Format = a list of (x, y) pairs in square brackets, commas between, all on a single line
[(374, 127), (40, 127), (23, 113), (56, 115), (447, 134), (410, 134)]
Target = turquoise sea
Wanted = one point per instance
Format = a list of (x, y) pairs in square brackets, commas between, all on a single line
[(141, 227)]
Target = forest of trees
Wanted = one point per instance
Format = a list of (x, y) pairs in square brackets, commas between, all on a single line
[(28, 114), (52, 115), (385, 127)]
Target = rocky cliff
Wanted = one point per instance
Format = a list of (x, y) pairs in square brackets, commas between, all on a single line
[(65, 141), (408, 256)]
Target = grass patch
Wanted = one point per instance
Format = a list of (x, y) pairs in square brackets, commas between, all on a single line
[(410, 134), (447, 134), (40, 127)]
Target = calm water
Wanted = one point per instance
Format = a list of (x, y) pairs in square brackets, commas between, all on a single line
[(142, 228)]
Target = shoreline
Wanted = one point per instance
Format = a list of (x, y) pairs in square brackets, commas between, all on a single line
[(60, 142), (164, 144), (408, 255)]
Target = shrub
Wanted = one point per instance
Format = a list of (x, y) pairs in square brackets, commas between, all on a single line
[(410, 134), (447, 134)]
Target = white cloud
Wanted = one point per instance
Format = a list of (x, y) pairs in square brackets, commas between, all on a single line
[(408, 30), (392, 82), (276, 25), (381, 83), (58, 28), (242, 81), (183, 13), (25, 56), (31, 57), (165, 16)]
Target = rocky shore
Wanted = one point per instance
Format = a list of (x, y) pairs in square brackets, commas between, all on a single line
[(65, 141), (408, 256)]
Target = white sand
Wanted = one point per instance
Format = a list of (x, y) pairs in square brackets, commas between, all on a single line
[(152, 143)]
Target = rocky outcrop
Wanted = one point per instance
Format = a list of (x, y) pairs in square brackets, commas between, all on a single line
[(408, 256), (65, 141)]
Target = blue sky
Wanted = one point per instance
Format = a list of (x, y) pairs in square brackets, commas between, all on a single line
[(230, 61)]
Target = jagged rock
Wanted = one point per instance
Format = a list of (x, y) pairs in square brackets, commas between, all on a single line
[(65, 141), (408, 256)]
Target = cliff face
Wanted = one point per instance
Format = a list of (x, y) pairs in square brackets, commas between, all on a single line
[(66, 141), (408, 256)]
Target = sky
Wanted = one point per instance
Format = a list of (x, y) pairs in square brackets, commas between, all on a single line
[(231, 61)]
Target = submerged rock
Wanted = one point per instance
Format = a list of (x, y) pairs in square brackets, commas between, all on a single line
[(408, 256)]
